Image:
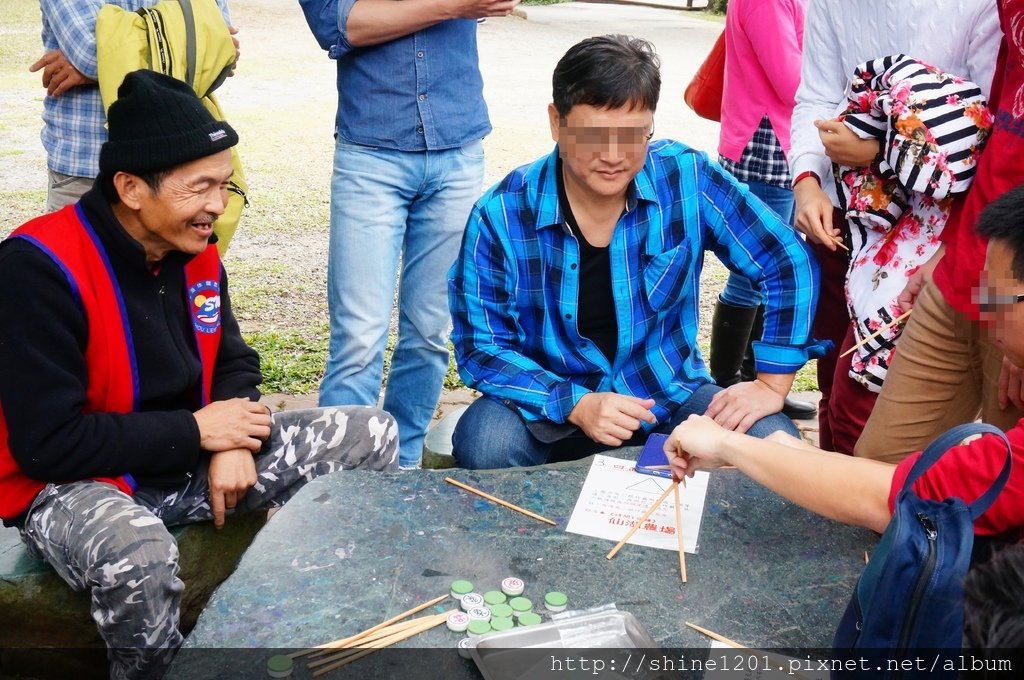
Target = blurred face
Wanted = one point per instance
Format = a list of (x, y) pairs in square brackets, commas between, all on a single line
[(180, 214), (602, 150), (1001, 297)]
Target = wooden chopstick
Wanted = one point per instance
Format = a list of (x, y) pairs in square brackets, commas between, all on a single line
[(898, 320), (732, 643), (650, 511), (354, 654), (327, 656), (322, 649), (716, 636), (839, 242), (499, 501), (679, 535)]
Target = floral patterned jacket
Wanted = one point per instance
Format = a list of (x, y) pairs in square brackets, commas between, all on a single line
[(931, 126)]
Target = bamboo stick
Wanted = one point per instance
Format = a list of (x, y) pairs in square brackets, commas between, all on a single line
[(650, 511), (499, 501), (343, 641)]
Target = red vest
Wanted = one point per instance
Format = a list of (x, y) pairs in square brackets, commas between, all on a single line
[(113, 380)]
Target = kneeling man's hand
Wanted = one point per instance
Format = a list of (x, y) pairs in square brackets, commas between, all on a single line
[(743, 404), (609, 418), (231, 475), (233, 424)]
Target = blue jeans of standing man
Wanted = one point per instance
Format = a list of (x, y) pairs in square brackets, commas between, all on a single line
[(491, 434), (739, 290), (388, 205)]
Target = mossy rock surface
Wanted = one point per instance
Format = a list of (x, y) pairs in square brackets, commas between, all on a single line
[(37, 609)]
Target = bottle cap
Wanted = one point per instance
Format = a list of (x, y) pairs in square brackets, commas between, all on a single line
[(555, 601), (501, 611), (520, 605), (529, 619), (493, 597), (479, 627), (470, 600), (279, 666), (458, 621), (502, 624), (460, 588), (479, 614), (513, 586), (465, 644)]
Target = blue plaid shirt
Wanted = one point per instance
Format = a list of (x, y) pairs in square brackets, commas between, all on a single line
[(513, 290), (73, 124)]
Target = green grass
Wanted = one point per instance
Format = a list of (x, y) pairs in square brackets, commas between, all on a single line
[(293, 361)]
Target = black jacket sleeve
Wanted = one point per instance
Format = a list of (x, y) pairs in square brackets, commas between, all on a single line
[(43, 383)]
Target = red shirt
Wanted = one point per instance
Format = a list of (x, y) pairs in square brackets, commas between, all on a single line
[(999, 169), (968, 471)]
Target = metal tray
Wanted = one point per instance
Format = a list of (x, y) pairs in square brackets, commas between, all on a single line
[(500, 656)]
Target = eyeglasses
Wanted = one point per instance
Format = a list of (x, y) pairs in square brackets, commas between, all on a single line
[(629, 137), (988, 303)]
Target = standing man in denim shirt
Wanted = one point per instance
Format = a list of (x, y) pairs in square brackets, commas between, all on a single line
[(408, 165)]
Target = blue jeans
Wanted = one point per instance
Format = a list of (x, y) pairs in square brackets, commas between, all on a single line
[(739, 290), (387, 205), (491, 434)]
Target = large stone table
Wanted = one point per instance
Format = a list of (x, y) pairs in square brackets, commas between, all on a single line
[(355, 548)]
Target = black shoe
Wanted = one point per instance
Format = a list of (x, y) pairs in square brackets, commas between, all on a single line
[(799, 410)]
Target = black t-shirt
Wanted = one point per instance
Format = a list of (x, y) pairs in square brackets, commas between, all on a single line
[(595, 318)]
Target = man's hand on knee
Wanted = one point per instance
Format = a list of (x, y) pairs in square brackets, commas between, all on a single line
[(610, 418), (233, 424), (743, 404), (231, 475)]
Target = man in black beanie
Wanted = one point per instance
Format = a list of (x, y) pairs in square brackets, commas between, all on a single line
[(128, 398)]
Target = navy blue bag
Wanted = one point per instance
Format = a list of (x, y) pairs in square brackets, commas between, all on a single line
[(910, 596)]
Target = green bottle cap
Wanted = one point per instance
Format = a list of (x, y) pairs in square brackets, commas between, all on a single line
[(501, 611), (460, 588), (279, 666), (479, 627), (529, 619), (556, 598), (493, 597), (520, 605), (502, 624)]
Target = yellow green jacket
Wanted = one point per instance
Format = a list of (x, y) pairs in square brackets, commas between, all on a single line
[(186, 39)]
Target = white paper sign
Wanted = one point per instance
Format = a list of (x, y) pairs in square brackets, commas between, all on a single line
[(615, 496)]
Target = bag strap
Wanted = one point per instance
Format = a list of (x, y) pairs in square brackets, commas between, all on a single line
[(953, 437), (190, 42)]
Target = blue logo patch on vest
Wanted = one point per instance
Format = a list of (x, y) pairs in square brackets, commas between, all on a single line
[(204, 301)]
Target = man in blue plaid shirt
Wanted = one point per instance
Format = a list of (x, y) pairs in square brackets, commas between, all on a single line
[(575, 297)]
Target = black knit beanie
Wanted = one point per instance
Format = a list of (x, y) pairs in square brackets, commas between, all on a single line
[(158, 122)]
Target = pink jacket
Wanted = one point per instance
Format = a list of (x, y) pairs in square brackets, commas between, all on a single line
[(763, 44)]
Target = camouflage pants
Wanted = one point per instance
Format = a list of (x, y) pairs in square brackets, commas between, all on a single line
[(118, 547)]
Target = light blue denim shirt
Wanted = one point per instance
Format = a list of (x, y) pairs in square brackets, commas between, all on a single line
[(422, 91)]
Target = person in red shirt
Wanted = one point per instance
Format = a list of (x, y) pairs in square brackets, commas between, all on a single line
[(860, 491)]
